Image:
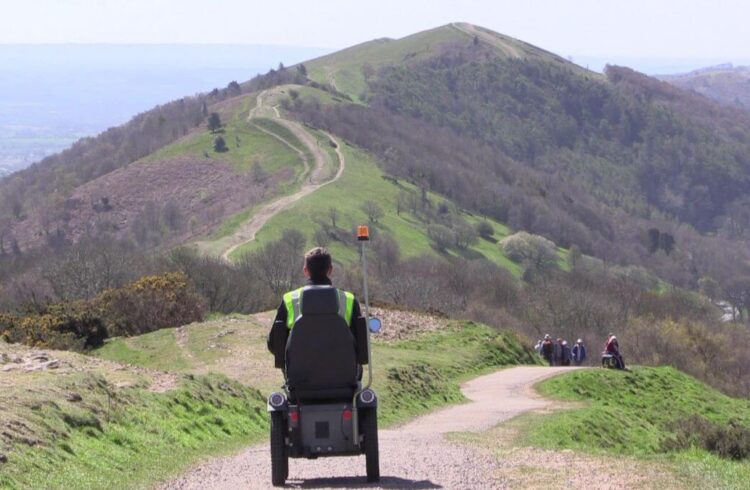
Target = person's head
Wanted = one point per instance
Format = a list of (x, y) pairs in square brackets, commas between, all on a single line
[(564, 342), (548, 337), (579, 341), (318, 264), (559, 340)]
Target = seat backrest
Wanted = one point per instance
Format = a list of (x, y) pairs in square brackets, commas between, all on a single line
[(321, 353)]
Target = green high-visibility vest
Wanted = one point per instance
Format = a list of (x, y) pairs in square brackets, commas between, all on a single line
[(293, 302)]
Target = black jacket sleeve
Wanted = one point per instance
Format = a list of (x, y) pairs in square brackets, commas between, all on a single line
[(280, 318)]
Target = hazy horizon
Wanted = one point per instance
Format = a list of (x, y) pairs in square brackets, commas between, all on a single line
[(73, 68), (53, 94)]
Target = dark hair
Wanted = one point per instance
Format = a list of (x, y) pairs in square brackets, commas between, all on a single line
[(318, 261)]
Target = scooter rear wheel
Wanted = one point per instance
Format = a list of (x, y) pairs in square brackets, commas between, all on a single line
[(279, 453), (370, 432)]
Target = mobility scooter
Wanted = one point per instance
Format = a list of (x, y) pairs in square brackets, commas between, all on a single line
[(324, 409)]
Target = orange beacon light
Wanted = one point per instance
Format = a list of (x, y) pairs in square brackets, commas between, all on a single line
[(363, 233)]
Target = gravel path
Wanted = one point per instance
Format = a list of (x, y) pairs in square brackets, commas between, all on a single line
[(415, 455), (314, 181)]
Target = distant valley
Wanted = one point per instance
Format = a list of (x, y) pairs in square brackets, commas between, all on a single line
[(52, 95)]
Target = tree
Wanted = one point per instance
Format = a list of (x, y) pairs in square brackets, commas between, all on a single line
[(465, 235), (234, 88), (279, 263), (220, 145), (302, 69), (333, 214), (214, 122), (574, 256), (485, 230), (535, 251), (441, 236), (709, 287), (373, 211), (321, 237), (258, 173), (737, 292)]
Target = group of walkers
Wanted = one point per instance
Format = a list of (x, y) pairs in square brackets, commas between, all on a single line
[(559, 353)]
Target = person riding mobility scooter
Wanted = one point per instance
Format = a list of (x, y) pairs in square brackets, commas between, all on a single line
[(324, 408)]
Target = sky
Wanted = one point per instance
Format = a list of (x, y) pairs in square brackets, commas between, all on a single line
[(714, 30)]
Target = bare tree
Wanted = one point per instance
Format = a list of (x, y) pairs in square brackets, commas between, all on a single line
[(373, 211), (333, 214)]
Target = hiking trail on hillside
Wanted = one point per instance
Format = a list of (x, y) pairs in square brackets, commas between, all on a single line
[(414, 455), (312, 178)]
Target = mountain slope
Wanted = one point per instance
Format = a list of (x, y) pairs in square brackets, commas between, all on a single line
[(478, 126), (727, 84), (350, 69)]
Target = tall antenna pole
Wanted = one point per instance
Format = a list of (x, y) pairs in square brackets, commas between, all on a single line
[(363, 236)]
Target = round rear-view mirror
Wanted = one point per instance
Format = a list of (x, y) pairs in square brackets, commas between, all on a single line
[(374, 325)]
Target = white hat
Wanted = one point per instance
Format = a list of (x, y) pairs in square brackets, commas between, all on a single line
[(579, 341)]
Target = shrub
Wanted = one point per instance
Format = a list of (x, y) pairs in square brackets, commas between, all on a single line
[(151, 303), (730, 441), (485, 230), (534, 250), (65, 326), (441, 236), (220, 145)]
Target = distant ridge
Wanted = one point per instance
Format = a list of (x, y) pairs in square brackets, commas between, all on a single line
[(724, 83)]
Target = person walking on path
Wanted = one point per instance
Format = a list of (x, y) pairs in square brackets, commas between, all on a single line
[(565, 348), (558, 352), (578, 352), (548, 350)]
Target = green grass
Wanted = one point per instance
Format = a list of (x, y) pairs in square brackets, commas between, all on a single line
[(128, 437), (247, 144), (156, 350), (635, 413), (362, 181), (441, 359), (125, 437), (345, 66)]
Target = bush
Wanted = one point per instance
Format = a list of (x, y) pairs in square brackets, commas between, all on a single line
[(220, 145), (485, 230), (533, 250), (441, 236), (65, 326), (226, 288), (727, 441), (148, 304), (151, 303)]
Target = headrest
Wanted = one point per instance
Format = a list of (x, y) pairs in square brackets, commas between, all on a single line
[(320, 300)]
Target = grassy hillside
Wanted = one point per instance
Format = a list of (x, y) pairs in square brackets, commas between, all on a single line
[(650, 412), (727, 84), (432, 360), (97, 424), (363, 181), (348, 70), (247, 144), (93, 424)]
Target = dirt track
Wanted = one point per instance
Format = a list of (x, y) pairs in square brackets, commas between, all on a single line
[(415, 455), (314, 179)]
